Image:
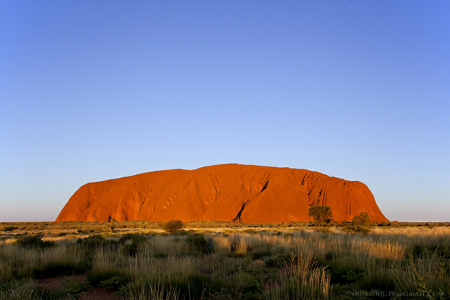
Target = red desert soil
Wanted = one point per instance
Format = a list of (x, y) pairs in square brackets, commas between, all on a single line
[(231, 192), (92, 293)]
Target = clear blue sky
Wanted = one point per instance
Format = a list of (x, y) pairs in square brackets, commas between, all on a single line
[(93, 90)]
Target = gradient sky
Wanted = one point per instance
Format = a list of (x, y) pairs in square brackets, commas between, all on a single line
[(93, 90)]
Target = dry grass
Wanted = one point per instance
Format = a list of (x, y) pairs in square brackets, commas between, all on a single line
[(303, 280), (251, 264), (20, 262)]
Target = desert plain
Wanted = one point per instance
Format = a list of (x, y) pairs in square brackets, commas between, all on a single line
[(223, 260), (224, 232)]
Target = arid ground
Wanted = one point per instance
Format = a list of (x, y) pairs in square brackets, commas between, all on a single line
[(220, 260)]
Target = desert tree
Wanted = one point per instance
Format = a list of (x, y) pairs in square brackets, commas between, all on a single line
[(320, 214)]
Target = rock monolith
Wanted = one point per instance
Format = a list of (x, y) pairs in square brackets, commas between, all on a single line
[(231, 192)]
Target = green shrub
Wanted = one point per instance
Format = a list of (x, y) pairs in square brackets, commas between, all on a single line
[(34, 241), (92, 242), (360, 223), (134, 237), (250, 286), (70, 289), (126, 237), (352, 276), (90, 245), (114, 283), (363, 219), (131, 249), (200, 243), (96, 277), (97, 241), (136, 241), (172, 226)]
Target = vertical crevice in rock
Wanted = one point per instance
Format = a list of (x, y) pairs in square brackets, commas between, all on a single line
[(238, 216), (264, 187), (304, 177)]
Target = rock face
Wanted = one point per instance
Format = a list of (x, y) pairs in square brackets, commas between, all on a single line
[(232, 192)]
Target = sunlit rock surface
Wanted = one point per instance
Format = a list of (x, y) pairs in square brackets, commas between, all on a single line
[(231, 192)]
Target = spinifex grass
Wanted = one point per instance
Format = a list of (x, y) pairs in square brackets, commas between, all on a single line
[(302, 279), (18, 262), (255, 264), (26, 289)]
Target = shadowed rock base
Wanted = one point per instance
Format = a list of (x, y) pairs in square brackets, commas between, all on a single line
[(231, 192)]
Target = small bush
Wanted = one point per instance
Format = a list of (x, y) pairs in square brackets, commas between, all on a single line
[(136, 241), (97, 241), (172, 226), (92, 242), (70, 289), (134, 237), (90, 245), (114, 283), (96, 277), (34, 241), (363, 219), (126, 237), (360, 223), (250, 286), (131, 249), (200, 243)]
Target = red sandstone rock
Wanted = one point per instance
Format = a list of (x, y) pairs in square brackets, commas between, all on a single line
[(246, 193)]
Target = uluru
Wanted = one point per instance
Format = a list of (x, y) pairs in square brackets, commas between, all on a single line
[(229, 192)]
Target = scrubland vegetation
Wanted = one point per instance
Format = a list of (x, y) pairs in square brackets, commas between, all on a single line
[(138, 260)]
